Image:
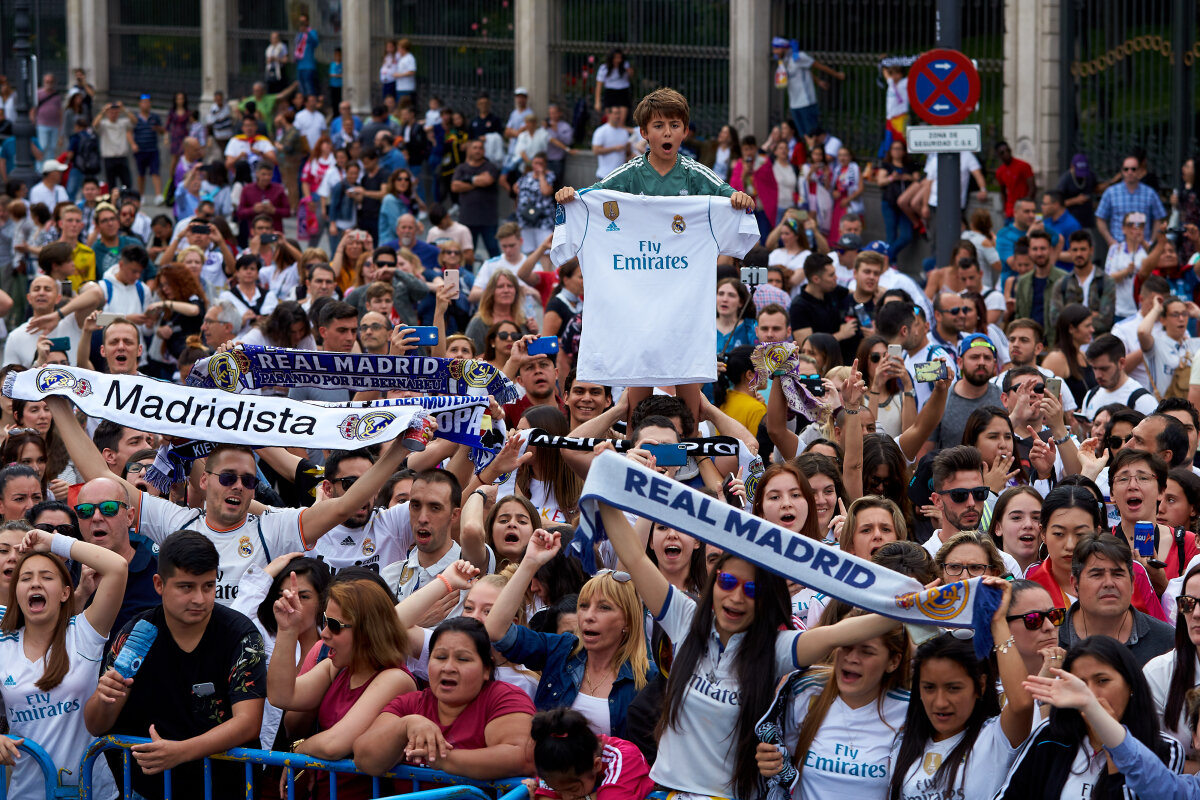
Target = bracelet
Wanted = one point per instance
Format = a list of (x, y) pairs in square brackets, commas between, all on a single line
[(851, 410), (1003, 648), (449, 588), (913, 395), (1063, 440), (60, 545), (481, 493), (59, 311)]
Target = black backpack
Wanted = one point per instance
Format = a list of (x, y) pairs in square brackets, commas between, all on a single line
[(87, 157)]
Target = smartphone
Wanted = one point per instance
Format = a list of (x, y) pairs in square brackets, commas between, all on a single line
[(60, 344), (1054, 386), (930, 371), (426, 334), (862, 315), (754, 276), (544, 346), (268, 238), (895, 351), (1143, 538), (803, 214), (450, 276), (106, 318), (814, 384), (667, 455), (65, 289), (198, 227)]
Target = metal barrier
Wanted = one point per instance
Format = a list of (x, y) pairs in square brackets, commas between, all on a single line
[(458, 787), (49, 773)]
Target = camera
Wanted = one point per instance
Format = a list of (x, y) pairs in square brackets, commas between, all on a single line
[(1174, 235)]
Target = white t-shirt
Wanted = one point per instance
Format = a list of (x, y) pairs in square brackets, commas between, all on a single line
[(41, 193), (124, 298), (53, 717), (608, 136), (967, 163), (785, 180), (988, 257), (269, 301), (934, 543), (311, 124), (781, 257), (1099, 397), (698, 756), (457, 232), (254, 150), (1118, 259), (332, 177), (1126, 331), (385, 539), (484, 273), (613, 79), (1166, 356), (1159, 671), (406, 63), (279, 281), (595, 711), (897, 97), (850, 755), (893, 278), (648, 269), (979, 775), (21, 345), (238, 548)]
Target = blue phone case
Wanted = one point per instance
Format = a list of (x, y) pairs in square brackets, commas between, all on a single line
[(544, 346), (133, 652), (667, 455), (426, 334)]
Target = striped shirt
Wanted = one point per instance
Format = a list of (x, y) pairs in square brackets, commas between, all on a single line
[(687, 177)]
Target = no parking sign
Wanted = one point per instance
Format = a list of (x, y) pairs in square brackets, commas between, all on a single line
[(943, 87)]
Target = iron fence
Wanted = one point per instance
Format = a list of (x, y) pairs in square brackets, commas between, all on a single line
[(154, 47), (462, 49), (49, 40), (1128, 82), (252, 22), (668, 43), (852, 35)]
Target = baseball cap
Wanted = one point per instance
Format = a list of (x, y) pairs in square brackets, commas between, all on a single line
[(145, 96), (849, 241), (521, 90), (53, 165), (1080, 162), (877, 246), (779, 41), (975, 340)]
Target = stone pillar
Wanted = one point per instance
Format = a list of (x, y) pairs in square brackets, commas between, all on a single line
[(357, 63), (87, 43), (749, 64), (531, 51), (214, 49), (1032, 121)]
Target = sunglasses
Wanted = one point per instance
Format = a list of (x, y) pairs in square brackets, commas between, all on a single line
[(1186, 603), (108, 508), (728, 582), (980, 494), (21, 431), (345, 483), (974, 570), (1117, 442), (956, 310), (876, 358), (385, 263), (231, 478), (65, 530), (618, 576), (508, 336), (1033, 620), (335, 626)]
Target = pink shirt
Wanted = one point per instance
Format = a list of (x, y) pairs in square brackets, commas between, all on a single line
[(626, 774)]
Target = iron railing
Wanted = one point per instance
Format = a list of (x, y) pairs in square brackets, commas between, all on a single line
[(49, 39), (154, 47)]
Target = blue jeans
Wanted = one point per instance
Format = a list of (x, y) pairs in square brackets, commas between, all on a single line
[(899, 230), (47, 137), (308, 80), (807, 119), (488, 234), (74, 181)]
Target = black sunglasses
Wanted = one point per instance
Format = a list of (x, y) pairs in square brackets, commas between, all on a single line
[(230, 478), (65, 530), (1117, 442), (335, 626), (1033, 620), (508, 336), (876, 358), (980, 494), (345, 483)]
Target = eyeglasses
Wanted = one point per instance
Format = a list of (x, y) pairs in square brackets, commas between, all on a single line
[(230, 478), (136, 467), (974, 570), (371, 326), (1033, 620), (1142, 479), (65, 530), (617, 575), (335, 626), (980, 494), (956, 310), (345, 482), (1129, 169), (1135, 224), (108, 508), (1186, 603), (403, 178), (728, 582), (1116, 442), (508, 336)]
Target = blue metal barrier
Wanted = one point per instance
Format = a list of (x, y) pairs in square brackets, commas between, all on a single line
[(49, 773), (453, 787)]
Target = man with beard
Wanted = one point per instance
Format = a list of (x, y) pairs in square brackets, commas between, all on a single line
[(369, 536), (961, 496), (408, 234), (977, 365), (1033, 290)]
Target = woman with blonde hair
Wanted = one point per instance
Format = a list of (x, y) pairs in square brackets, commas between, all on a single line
[(501, 302), (347, 260), (969, 554)]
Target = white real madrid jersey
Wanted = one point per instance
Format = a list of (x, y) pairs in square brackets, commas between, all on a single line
[(649, 272), (385, 539)]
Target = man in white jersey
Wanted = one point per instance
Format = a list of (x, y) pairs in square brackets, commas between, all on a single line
[(241, 537), (367, 537)]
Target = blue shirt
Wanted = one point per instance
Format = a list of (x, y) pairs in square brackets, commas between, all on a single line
[(145, 134), (335, 74), (309, 59), (1117, 201), (8, 151)]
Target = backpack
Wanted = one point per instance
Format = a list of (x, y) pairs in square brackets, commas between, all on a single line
[(87, 156), (108, 291), (1130, 401)]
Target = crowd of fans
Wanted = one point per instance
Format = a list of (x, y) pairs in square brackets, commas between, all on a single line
[(400, 607)]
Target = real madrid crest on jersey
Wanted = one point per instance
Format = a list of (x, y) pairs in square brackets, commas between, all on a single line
[(560, 214), (612, 211), (245, 549), (368, 547), (678, 225)]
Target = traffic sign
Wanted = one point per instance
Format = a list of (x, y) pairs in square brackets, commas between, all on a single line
[(943, 87), (943, 138)]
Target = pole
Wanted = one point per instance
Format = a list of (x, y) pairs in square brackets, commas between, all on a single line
[(26, 90), (1066, 82), (949, 211)]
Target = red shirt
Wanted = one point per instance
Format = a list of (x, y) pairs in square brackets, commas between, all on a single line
[(252, 195), (466, 732), (1014, 177)]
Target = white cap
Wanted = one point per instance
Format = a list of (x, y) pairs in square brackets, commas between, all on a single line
[(53, 165), (521, 90)]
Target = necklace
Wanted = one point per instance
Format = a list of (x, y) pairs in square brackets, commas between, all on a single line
[(1121, 627), (596, 683)]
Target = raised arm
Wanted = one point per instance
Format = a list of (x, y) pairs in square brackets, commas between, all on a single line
[(912, 439), (542, 548), (648, 581), (83, 451), (110, 568), (284, 689), (777, 429), (815, 644), (1017, 715), (1145, 330), (412, 610), (316, 520)]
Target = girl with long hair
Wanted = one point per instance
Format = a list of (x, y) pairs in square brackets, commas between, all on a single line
[(734, 327), (829, 493), (35, 415), (180, 315), (894, 175), (1072, 333), (613, 82), (498, 343), (352, 250), (885, 472), (50, 655), (26, 446), (710, 665), (400, 198), (989, 430), (1065, 757), (1165, 354), (1015, 525), (506, 529), (1034, 621), (1173, 674), (824, 348), (286, 326), (501, 302), (550, 484), (890, 384), (957, 740), (1068, 512), (597, 672), (1179, 502)]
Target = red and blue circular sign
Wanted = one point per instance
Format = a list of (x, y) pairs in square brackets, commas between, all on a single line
[(943, 87)]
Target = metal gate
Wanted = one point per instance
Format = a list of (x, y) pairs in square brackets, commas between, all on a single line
[(852, 35), (1128, 82), (49, 40), (154, 47)]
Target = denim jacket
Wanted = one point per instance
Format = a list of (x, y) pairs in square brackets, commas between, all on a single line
[(562, 673)]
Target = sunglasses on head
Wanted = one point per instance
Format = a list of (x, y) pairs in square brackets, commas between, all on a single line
[(1186, 603), (231, 478), (980, 494), (65, 530), (1033, 620), (108, 508), (728, 582), (335, 626), (617, 575)]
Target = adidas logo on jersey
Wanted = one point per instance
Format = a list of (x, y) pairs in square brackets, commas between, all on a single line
[(348, 541), (9, 681)]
